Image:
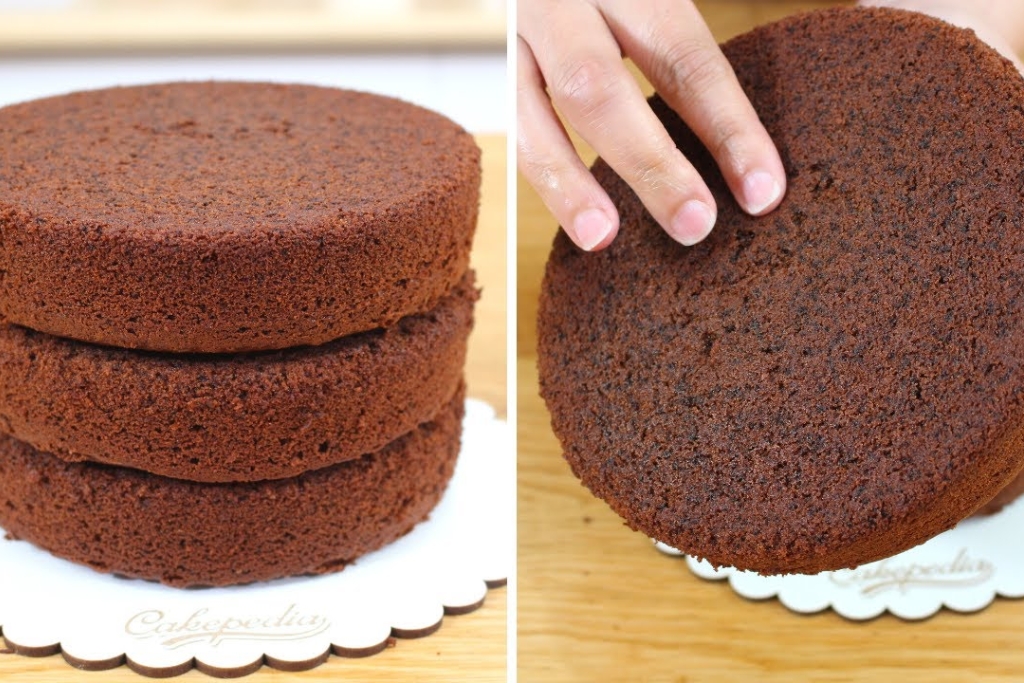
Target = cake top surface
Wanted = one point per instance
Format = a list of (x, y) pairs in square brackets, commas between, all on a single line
[(223, 155), (840, 379)]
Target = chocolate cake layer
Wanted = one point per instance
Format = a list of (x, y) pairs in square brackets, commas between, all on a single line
[(841, 379), (182, 533), (219, 217), (1006, 495), (241, 417)]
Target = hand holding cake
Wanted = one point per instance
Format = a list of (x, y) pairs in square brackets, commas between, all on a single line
[(574, 48), (825, 386)]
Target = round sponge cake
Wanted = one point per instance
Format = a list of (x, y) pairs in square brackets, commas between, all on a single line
[(841, 379), (220, 217), (238, 417), (187, 534)]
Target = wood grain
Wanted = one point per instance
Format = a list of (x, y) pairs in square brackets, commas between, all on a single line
[(469, 647), (597, 603)]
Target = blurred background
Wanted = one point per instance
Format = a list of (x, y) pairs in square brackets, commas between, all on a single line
[(448, 55)]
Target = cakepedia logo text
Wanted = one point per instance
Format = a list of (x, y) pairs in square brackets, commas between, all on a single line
[(891, 574), (174, 631)]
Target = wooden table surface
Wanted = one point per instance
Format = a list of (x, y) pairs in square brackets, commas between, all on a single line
[(470, 647), (597, 603)]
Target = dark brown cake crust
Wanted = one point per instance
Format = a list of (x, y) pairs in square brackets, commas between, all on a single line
[(839, 380), (187, 534), (217, 217), (242, 417), (1007, 495)]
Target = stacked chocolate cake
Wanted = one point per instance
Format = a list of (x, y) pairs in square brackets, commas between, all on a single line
[(234, 324)]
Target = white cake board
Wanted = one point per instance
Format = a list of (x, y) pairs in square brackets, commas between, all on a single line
[(444, 566), (963, 569)]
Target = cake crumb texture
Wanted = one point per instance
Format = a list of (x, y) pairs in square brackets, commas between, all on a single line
[(182, 533), (234, 417), (841, 379), (223, 217)]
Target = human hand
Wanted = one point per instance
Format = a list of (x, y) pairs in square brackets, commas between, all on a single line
[(575, 49), (1000, 23)]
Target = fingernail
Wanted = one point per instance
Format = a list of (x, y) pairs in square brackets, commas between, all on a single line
[(692, 223), (591, 227), (760, 190)]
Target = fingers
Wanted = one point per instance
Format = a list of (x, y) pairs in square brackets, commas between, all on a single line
[(672, 45), (549, 162), (581, 64)]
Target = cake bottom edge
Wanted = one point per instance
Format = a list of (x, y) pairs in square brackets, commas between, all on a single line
[(190, 534)]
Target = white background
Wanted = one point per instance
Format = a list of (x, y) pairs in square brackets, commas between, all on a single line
[(468, 87)]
